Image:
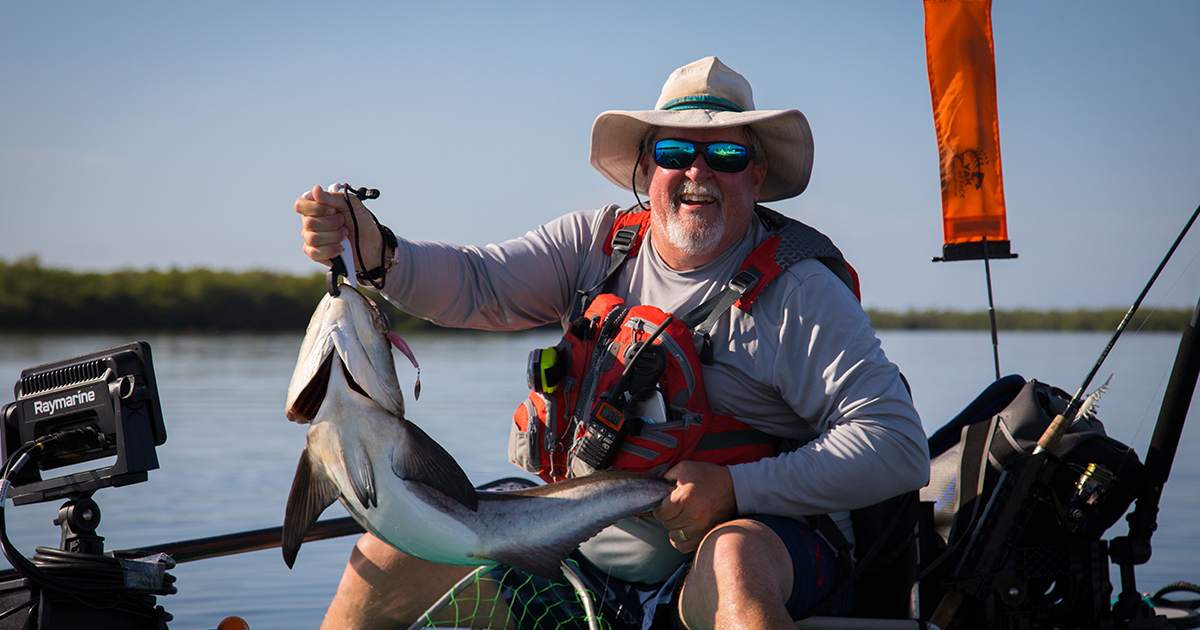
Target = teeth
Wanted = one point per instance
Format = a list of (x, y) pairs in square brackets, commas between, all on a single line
[(696, 199)]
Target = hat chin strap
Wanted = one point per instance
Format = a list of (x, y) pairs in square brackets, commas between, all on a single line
[(633, 179)]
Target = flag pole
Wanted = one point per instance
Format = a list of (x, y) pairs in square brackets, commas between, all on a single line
[(987, 270)]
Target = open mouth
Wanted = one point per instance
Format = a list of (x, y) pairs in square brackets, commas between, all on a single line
[(308, 403), (696, 194), (696, 200)]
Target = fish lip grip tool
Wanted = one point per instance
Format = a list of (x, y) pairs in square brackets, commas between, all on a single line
[(343, 265)]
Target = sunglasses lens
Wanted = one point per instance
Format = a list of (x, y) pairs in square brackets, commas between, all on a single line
[(674, 154), (727, 157)]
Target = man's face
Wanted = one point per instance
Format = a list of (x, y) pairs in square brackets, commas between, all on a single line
[(698, 213)]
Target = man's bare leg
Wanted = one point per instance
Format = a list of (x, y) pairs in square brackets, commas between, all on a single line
[(385, 588), (741, 578)]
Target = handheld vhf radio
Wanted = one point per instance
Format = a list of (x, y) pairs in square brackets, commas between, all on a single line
[(610, 421)]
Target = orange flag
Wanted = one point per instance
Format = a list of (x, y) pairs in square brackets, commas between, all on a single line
[(962, 82)]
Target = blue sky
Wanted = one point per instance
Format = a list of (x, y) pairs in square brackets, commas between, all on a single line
[(159, 135)]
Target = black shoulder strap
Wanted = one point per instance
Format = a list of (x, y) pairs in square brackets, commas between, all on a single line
[(974, 446), (797, 242), (623, 241)]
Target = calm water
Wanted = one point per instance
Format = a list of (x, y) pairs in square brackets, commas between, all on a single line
[(229, 459)]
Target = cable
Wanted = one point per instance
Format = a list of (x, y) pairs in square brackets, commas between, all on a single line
[(95, 581), (1159, 598), (19, 607)]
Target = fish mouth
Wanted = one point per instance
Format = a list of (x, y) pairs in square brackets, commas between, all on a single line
[(308, 403), (352, 328)]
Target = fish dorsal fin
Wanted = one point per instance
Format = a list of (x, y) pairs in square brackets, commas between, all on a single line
[(425, 461), (362, 474), (312, 492)]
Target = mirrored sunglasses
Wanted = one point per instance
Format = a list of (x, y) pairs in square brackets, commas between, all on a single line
[(726, 157)]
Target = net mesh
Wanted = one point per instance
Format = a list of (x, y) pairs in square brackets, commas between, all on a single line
[(506, 598)]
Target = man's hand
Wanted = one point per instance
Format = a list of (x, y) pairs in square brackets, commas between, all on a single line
[(325, 221), (702, 499)]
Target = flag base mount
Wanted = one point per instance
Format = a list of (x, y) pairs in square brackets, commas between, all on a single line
[(975, 250)]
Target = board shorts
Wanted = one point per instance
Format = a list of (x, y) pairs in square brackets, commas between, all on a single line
[(541, 604)]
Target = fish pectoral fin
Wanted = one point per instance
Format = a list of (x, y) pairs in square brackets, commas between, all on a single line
[(312, 492), (362, 475), (425, 461)]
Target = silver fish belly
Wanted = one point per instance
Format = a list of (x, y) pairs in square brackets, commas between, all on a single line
[(403, 487)]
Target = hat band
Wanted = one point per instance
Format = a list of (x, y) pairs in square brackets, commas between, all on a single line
[(702, 101)]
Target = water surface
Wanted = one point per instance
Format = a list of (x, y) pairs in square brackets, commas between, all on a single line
[(230, 455)]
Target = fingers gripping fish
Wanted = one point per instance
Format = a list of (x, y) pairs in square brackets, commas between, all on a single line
[(401, 485)]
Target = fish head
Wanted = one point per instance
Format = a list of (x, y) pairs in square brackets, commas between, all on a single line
[(348, 331)]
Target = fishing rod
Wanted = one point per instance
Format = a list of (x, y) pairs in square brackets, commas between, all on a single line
[(270, 537), (1134, 549), (1011, 504), (1061, 422), (230, 544), (254, 540)]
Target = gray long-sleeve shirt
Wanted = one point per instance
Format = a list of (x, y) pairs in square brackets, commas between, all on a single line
[(803, 364)]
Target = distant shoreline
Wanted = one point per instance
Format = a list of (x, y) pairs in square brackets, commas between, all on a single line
[(40, 299)]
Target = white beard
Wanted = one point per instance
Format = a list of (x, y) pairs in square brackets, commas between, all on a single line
[(690, 234)]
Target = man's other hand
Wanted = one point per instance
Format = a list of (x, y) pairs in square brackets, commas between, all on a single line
[(702, 499)]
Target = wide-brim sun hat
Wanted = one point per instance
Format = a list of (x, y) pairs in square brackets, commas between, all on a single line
[(707, 94)]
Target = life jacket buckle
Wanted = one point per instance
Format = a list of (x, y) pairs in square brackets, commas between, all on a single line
[(624, 238), (745, 280)]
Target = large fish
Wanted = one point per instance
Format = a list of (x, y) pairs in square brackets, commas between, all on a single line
[(404, 488)]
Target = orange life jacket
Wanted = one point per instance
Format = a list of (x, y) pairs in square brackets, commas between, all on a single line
[(550, 432)]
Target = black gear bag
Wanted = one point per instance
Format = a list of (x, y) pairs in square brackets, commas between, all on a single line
[(1058, 571)]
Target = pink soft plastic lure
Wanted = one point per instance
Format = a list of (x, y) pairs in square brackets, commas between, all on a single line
[(402, 346)]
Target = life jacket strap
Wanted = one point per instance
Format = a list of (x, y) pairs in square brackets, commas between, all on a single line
[(791, 242), (702, 318), (824, 525), (728, 439), (624, 244)]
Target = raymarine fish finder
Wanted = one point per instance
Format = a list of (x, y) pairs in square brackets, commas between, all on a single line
[(98, 406), (110, 398)]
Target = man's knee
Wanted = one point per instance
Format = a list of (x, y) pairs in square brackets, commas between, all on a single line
[(739, 563), (382, 586)]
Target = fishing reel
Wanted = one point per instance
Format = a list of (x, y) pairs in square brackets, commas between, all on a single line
[(1087, 492)]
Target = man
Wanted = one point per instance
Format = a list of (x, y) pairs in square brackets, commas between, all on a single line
[(801, 366)]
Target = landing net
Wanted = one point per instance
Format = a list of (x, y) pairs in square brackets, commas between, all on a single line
[(491, 597)]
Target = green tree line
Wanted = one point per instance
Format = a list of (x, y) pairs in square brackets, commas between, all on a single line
[(1102, 320), (34, 298)]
